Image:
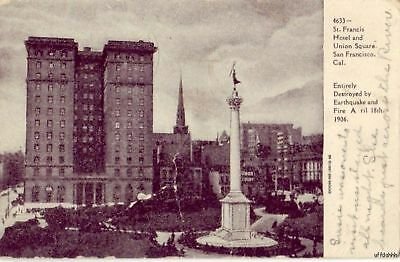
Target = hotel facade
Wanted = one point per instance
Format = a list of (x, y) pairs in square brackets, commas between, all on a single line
[(89, 121)]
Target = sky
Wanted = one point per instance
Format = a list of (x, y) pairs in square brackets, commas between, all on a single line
[(277, 47)]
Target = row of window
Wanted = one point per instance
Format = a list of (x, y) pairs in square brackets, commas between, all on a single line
[(63, 65), (88, 66), (129, 171), (89, 128), (89, 117), (52, 53), (86, 96), (49, 135), (117, 148), (89, 139), (85, 107), (86, 86), (50, 99), (130, 79), (49, 148), (86, 76), (129, 101), (50, 75), (117, 88), (130, 67), (117, 160), (118, 124), (129, 125), (129, 57), (312, 176), (60, 193), (49, 123), (129, 112), (49, 111), (128, 193), (49, 159), (50, 87), (86, 149), (49, 171), (129, 136), (48, 191)]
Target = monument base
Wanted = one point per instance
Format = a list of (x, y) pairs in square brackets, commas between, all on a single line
[(235, 226), (235, 222)]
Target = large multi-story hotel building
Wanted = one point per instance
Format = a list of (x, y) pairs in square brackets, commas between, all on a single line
[(89, 121)]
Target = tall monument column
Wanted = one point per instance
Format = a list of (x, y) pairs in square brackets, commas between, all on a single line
[(234, 103), (235, 223)]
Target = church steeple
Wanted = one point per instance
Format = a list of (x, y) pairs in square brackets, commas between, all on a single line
[(180, 127)]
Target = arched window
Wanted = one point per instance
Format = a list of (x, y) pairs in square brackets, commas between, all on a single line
[(35, 193), (60, 194), (117, 193), (129, 193), (49, 193)]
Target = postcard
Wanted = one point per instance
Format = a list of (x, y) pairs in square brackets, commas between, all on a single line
[(361, 113), (199, 129)]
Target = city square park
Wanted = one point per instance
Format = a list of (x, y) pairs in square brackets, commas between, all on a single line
[(231, 226), (132, 231)]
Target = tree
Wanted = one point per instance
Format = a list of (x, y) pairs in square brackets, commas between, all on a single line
[(57, 218), (13, 168)]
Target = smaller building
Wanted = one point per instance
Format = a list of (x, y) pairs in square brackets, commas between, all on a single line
[(187, 180), (253, 186), (173, 159)]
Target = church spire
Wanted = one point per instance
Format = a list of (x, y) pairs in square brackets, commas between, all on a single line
[(180, 127)]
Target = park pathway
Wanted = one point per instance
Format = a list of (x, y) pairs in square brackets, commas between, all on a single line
[(266, 221)]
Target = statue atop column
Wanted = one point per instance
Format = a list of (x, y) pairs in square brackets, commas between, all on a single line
[(235, 228)]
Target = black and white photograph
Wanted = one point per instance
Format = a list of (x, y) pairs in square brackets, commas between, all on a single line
[(149, 129)]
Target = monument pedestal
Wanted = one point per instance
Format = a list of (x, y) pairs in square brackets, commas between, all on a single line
[(235, 229), (235, 222)]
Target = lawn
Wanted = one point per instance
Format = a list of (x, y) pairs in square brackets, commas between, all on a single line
[(308, 226), (142, 218), (29, 240), (207, 219)]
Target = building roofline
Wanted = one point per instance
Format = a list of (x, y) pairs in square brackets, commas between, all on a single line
[(137, 46), (51, 41)]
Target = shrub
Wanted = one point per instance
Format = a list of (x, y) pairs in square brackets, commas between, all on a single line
[(22, 235), (57, 218), (162, 251), (277, 205)]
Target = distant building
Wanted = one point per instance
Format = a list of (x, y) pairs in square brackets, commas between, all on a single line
[(296, 166), (313, 139), (259, 140), (215, 161), (307, 166), (253, 184), (274, 157)]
